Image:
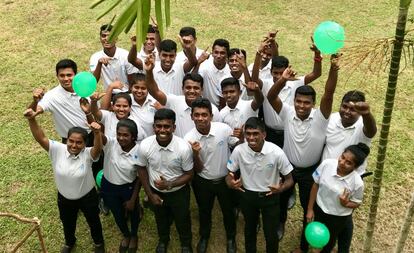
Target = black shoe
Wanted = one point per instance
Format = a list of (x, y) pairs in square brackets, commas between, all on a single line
[(292, 200), (281, 230), (99, 248), (66, 249), (202, 245), (161, 248), (231, 246), (186, 249)]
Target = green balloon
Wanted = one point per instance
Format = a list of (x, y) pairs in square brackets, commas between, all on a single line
[(84, 84), (317, 234), (329, 37), (99, 178)]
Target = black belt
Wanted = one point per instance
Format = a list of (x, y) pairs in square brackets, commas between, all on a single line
[(259, 194)]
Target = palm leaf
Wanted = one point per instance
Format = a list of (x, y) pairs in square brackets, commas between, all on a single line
[(96, 3), (146, 11), (109, 9), (158, 17), (122, 21), (167, 12)]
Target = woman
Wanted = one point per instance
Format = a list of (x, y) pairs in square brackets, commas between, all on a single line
[(120, 185), (337, 191), (72, 171)]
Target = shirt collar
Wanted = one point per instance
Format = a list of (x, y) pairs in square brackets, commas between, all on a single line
[(310, 117), (73, 157), (168, 147)]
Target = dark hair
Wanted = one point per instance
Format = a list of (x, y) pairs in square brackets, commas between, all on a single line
[(105, 27), (66, 63), (222, 43), (188, 31), (131, 125), (354, 96), (124, 95), (79, 130), (164, 113), (150, 29), (280, 62), (136, 77), (360, 152), (306, 90), (194, 77), (201, 102), (255, 123), (234, 51), (230, 81), (168, 46)]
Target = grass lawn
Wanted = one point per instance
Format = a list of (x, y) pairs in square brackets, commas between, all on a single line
[(36, 34)]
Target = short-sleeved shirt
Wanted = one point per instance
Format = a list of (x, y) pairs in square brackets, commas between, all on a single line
[(170, 162), (65, 110), (183, 121), (73, 174), (181, 58), (212, 78), (110, 121), (236, 117), (120, 167), (304, 140), (331, 186), (286, 95), (118, 68), (264, 73), (259, 170), (215, 149), (144, 114), (339, 137), (171, 82)]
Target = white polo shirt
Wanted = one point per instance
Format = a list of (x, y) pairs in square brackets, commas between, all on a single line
[(304, 140), (236, 117), (170, 162), (120, 167), (118, 68), (212, 78), (215, 149), (65, 110), (331, 186), (264, 73), (171, 82), (183, 121), (73, 174), (259, 170), (339, 137), (109, 120), (181, 58), (143, 56), (144, 114), (287, 95)]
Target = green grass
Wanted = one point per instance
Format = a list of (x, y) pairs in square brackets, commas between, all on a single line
[(36, 34)]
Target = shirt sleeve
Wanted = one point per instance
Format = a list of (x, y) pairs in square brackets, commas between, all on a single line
[(105, 116), (358, 194), (284, 165), (88, 152), (53, 148), (318, 172), (216, 114), (285, 112), (142, 159), (187, 158), (93, 62), (233, 162)]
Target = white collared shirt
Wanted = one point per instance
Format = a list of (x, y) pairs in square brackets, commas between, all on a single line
[(144, 114), (65, 110), (183, 121), (331, 186), (120, 167), (212, 78), (171, 82), (215, 149), (286, 95), (259, 170), (264, 73), (118, 68), (339, 137), (181, 58), (304, 140), (169, 162), (236, 117), (110, 121), (73, 174)]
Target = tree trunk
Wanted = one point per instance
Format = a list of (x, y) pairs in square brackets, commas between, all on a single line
[(386, 120), (405, 230)]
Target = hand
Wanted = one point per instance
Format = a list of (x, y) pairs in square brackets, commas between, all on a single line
[(129, 206), (96, 96), (149, 63), (251, 86), (157, 105), (38, 94), (238, 132), (104, 60), (95, 127), (85, 106), (29, 114), (233, 183), (361, 107), (154, 24), (196, 147), (310, 215), (335, 61), (155, 199), (275, 189), (185, 43), (204, 56), (162, 184), (344, 198), (117, 85), (314, 48), (289, 74), (241, 60), (134, 40)]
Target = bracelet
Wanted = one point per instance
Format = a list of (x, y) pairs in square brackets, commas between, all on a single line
[(318, 59)]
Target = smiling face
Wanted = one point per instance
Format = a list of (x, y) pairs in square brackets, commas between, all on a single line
[(149, 43), (104, 40), (277, 73), (303, 106), (139, 91), (234, 64), (219, 55), (65, 77), (346, 163), (348, 114), (231, 93), (167, 60), (75, 143), (191, 90), (124, 137), (121, 108), (164, 130), (202, 118), (255, 138)]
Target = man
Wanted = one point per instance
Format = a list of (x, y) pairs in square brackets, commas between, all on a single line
[(192, 88), (111, 63), (305, 129), (214, 70), (150, 46), (165, 169), (211, 142), (188, 35), (260, 163)]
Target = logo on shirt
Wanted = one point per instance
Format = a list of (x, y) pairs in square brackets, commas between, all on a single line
[(230, 161), (220, 143)]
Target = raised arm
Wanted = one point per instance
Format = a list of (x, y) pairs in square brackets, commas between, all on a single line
[(273, 94), (97, 72), (86, 108), (204, 56), (97, 140), (370, 127), (107, 96), (152, 86), (330, 86), (38, 94), (132, 55), (317, 65), (258, 99), (97, 114), (191, 57), (36, 130)]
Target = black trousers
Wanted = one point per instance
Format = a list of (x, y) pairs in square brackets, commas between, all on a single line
[(68, 211), (205, 192), (175, 207), (345, 236), (335, 224), (252, 205)]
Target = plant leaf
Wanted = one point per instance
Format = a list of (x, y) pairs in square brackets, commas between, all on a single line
[(146, 12), (138, 26), (130, 23), (109, 9), (122, 21), (167, 13), (158, 17), (96, 3)]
